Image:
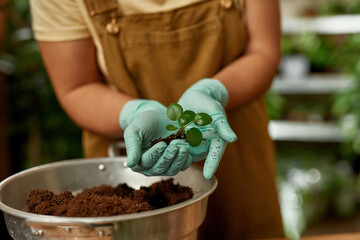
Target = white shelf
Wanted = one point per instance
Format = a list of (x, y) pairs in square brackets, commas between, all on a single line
[(305, 132), (340, 24), (313, 84)]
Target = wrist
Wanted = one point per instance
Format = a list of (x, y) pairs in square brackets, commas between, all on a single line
[(213, 88), (134, 107)]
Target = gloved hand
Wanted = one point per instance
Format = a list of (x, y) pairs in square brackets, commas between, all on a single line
[(209, 96), (144, 121)]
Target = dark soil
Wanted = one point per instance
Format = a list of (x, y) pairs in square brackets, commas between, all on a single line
[(168, 139), (107, 201)]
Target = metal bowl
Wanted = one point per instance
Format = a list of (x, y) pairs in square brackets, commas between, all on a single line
[(179, 221)]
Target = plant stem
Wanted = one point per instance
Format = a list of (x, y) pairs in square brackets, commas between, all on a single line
[(187, 124), (180, 132)]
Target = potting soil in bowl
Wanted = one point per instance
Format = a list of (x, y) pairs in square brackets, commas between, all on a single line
[(107, 201)]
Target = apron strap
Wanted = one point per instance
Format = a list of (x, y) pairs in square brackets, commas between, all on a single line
[(96, 7), (240, 4), (228, 4), (105, 15)]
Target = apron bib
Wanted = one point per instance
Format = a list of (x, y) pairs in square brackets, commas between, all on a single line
[(158, 56)]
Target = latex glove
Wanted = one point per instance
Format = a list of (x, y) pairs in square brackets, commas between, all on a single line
[(175, 158), (210, 96), (144, 121)]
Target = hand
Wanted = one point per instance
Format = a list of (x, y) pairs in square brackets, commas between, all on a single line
[(143, 122), (209, 96), (156, 161)]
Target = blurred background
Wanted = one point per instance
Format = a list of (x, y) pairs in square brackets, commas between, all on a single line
[(313, 104)]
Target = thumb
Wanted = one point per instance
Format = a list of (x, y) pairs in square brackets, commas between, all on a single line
[(133, 141), (149, 158)]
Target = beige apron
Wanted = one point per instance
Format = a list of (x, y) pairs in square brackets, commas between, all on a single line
[(158, 56)]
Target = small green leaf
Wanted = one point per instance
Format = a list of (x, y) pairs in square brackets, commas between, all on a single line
[(174, 111), (186, 117), (202, 119), (194, 136), (171, 127)]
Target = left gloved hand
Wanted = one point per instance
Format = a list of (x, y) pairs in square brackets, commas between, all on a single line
[(143, 122), (209, 96)]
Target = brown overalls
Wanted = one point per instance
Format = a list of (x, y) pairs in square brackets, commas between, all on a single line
[(158, 56)]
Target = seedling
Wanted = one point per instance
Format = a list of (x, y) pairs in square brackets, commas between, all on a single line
[(184, 118)]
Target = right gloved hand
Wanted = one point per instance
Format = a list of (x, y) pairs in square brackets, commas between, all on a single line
[(209, 96), (144, 121)]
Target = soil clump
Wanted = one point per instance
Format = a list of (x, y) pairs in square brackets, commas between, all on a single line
[(107, 201)]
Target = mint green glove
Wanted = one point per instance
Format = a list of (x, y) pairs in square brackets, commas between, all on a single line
[(175, 158), (209, 96), (144, 121)]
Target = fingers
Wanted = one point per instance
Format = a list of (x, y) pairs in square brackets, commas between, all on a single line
[(187, 163), (186, 159), (222, 126), (178, 162), (133, 141), (149, 158), (164, 162), (159, 162), (217, 148)]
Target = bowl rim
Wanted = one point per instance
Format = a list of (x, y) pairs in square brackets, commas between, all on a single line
[(31, 217)]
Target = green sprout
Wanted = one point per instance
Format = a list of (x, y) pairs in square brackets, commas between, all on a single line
[(185, 118)]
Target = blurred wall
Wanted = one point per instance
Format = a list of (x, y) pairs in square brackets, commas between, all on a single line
[(291, 8), (4, 150)]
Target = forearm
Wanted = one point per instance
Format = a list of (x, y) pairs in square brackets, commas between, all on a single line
[(95, 107), (248, 77), (78, 84)]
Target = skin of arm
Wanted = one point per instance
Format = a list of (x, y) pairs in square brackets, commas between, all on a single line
[(248, 77), (72, 67)]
